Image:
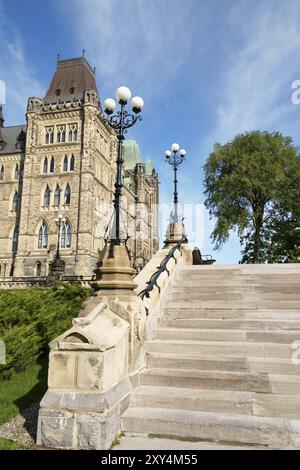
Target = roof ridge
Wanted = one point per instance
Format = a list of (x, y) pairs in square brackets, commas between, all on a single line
[(15, 125), (76, 59)]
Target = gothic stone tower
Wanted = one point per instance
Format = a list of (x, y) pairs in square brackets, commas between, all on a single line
[(66, 166)]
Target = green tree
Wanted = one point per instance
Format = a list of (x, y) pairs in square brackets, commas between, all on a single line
[(283, 226), (244, 186)]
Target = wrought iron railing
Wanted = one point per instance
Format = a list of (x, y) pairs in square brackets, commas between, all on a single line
[(160, 269)]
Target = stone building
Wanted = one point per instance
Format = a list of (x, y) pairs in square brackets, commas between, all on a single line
[(63, 162)]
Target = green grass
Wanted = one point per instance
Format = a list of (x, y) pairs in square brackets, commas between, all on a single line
[(22, 389), (6, 444)]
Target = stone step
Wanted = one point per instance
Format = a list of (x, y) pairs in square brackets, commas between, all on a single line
[(239, 282), (239, 429), (190, 361), (273, 365), (285, 384), (220, 348), (189, 302), (256, 324), (213, 287), (132, 441), (221, 362), (217, 401), (184, 311), (260, 268), (237, 287), (232, 296), (222, 380), (261, 277), (202, 296), (266, 269), (275, 336)]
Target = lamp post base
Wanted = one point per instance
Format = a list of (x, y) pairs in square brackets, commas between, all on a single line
[(57, 269), (175, 233), (115, 271)]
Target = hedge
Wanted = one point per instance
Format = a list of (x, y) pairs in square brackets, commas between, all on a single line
[(31, 318)]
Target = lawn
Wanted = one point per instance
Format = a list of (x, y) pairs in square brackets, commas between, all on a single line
[(6, 444), (22, 389)]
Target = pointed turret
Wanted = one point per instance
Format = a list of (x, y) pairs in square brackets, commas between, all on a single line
[(71, 79)]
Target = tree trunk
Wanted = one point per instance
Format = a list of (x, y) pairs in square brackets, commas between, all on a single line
[(258, 221)]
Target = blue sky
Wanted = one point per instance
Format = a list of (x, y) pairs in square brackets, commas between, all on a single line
[(207, 70)]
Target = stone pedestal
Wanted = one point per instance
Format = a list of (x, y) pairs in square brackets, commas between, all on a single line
[(57, 269), (175, 232), (115, 270), (88, 383), (93, 365)]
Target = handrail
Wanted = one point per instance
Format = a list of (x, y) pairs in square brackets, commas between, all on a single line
[(160, 269)]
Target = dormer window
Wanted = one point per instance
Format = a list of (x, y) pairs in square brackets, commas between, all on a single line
[(58, 92), (72, 90)]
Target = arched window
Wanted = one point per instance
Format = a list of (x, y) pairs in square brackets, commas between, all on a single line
[(52, 165), (73, 133), (61, 134), (17, 173), (66, 235), (57, 196), (15, 240), (2, 173), (38, 269), (49, 136), (65, 167), (72, 163), (45, 166), (43, 236), (15, 201), (47, 196), (67, 197)]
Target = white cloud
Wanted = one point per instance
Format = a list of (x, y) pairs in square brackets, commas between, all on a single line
[(260, 66), (15, 71), (139, 42)]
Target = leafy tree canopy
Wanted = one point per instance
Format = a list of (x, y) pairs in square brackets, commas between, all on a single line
[(248, 182)]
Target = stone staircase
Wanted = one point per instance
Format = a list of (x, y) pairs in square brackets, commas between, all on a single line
[(219, 367)]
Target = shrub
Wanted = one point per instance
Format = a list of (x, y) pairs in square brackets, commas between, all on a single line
[(31, 318)]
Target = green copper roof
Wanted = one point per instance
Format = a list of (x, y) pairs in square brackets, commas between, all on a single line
[(149, 167), (132, 154)]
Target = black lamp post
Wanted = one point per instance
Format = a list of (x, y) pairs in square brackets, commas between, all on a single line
[(57, 266), (175, 158), (120, 122)]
